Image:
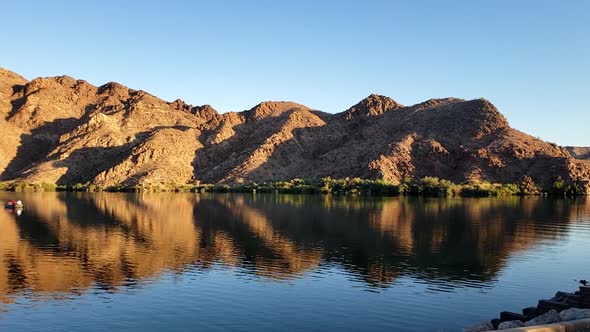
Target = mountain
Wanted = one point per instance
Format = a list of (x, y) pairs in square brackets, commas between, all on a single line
[(578, 152), (62, 130)]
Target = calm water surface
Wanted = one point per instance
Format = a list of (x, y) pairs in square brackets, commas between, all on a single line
[(186, 262)]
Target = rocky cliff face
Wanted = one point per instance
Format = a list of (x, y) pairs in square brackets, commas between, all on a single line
[(64, 131)]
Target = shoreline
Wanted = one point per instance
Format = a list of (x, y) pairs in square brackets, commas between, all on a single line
[(563, 312), (423, 187)]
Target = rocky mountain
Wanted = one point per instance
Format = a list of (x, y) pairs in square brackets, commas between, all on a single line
[(579, 152), (62, 130)]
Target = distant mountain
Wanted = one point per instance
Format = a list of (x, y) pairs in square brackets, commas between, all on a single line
[(62, 130), (579, 152), (582, 154)]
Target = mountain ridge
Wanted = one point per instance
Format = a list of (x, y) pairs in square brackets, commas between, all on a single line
[(63, 130)]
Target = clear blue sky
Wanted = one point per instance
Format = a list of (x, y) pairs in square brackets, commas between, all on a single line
[(530, 58)]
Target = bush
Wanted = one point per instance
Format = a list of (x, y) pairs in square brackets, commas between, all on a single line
[(95, 188), (48, 186), (78, 187), (476, 188), (562, 188)]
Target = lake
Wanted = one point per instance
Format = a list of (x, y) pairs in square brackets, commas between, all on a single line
[(186, 262)]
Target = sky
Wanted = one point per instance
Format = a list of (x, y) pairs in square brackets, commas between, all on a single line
[(530, 58)]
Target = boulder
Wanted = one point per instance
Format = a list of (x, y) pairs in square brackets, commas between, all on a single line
[(530, 313), (511, 324), (574, 313), (551, 316), (508, 315), (495, 322), (483, 326)]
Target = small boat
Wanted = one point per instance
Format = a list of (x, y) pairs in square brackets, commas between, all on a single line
[(14, 205)]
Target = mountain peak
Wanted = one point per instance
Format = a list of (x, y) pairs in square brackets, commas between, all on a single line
[(272, 108), (112, 87), (373, 105), (9, 83), (487, 111), (206, 112), (180, 105), (6, 74)]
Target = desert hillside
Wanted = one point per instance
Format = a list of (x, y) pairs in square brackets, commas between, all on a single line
[(63, 130), (579, 152)]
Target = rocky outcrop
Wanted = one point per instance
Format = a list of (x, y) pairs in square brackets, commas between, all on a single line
[(64, 130), (573, 314)]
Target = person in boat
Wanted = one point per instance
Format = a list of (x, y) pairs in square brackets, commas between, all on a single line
[(13, 204)]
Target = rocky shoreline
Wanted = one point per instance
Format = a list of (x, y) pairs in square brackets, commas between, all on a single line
[(562, 307)]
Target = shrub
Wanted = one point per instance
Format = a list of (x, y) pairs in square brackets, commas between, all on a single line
[(528, 187), (562, 188), (48, 186)]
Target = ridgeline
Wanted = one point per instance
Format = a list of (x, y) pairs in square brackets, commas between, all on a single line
[(64, 133)]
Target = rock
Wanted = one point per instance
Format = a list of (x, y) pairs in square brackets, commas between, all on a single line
[(507, 315), (495, 322), (510, 324), (546, 305), (551, 316), (483, 326), (530, 313), (574, 313)]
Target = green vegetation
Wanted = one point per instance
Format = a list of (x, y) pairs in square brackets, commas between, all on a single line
[(427, 187), (25, 186), (483, 189), (20, 186), (563, 188)]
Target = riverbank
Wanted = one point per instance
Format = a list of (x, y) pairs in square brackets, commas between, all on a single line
[(427, 187), (563, 312)]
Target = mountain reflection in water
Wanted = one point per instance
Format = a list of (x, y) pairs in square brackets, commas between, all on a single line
[(70, 243)]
